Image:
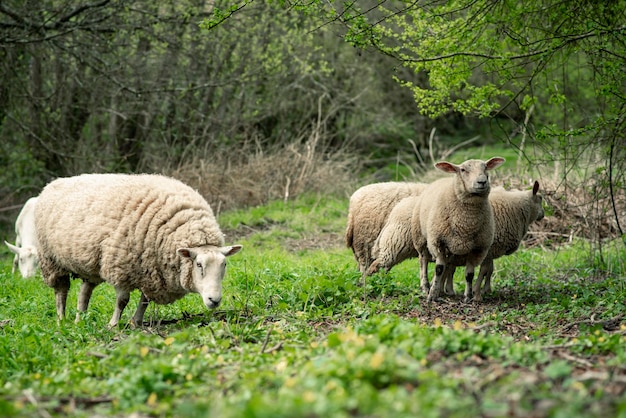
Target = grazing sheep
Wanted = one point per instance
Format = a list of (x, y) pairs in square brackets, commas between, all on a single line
[(513, 213), (146, 232), (25, 248), (394, 243), (454, 220), (368, 210)]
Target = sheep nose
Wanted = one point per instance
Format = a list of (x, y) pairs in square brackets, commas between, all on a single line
[(215, 301)]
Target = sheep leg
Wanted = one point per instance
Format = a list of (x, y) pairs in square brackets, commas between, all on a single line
[(121, 300), (448, 281), (436, 286), (469, 278), (486, 270), (425, 286), (84, 296), (137, 319), (363, 278), (61, 289)]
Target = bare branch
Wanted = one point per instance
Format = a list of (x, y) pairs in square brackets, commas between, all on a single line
[(81, 9)]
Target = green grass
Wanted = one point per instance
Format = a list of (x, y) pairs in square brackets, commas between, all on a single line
[(295, 336)]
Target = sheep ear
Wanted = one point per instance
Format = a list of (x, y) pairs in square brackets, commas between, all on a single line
[(446, 166), (535, 187), (230, 250), (186, 253), (13, 248), (494, 162)]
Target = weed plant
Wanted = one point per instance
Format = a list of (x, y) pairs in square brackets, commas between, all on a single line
[(297, 336)]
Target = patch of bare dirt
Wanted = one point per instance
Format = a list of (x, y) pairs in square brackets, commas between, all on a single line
[(324, 241)]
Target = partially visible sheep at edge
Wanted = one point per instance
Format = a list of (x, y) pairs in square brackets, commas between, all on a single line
[(368, 210), (454, 219), (146, 232), (513, 213), (25, 248)]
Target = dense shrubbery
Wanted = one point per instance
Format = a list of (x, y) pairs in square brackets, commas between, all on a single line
[(271, 101)]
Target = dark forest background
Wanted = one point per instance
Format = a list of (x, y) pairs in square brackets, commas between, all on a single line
[(258, 100)]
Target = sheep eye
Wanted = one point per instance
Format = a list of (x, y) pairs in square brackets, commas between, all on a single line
[(199, 265)]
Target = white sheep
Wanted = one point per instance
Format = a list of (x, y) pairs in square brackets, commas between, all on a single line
[(454, 220), (25, 248), (513, 212), (368, 210), (146, 232)]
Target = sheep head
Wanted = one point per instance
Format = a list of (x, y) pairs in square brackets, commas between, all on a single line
[(473, 174), (537, 213), (207, 272), (27, 259)]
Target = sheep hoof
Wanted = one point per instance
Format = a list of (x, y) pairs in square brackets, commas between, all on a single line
[(432, 298), (467, 299)]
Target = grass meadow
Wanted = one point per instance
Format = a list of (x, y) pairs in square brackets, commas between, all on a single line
[(296, 336)]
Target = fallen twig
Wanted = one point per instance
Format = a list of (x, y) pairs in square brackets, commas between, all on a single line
[(28, 394), (482, 326), (274, 348), (607, 324), (267, 339), (578, 360)]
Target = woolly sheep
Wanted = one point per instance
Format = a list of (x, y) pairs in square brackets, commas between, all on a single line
[(368, 210), (25, 248), (513, 212), (146, 232), (454, 219)]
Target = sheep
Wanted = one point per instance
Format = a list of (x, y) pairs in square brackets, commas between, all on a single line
[(25, 248), (454, 221), (513, 212), (144, 231), (368, 210), (394, 243)]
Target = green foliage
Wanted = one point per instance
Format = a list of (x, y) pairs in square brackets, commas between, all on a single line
[(295, 336)]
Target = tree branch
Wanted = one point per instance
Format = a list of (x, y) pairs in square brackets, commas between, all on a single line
[(568, 40), (81, 9)]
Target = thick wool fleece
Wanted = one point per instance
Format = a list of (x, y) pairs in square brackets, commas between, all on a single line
[(514, 211), (369, 208), (451, 223), (125, 230), (394, 243)]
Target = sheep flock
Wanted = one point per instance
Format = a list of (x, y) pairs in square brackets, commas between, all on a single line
[(454, 221), (157, 235)]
